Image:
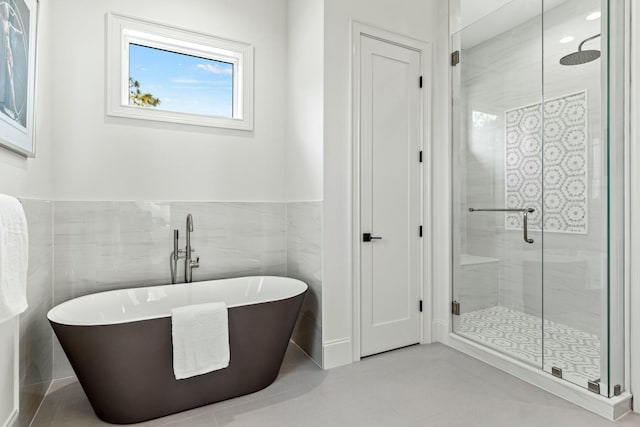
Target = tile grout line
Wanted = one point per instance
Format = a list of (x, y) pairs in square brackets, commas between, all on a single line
[(44, 398)]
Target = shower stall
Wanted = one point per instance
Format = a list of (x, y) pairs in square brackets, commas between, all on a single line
[(538, 186)]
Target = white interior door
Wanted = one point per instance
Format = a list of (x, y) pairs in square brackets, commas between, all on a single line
[(390, 130)]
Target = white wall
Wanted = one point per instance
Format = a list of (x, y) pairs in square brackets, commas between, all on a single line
[(420, 19), (304, 163), (305, 56), (441, 187), (27, 178), (31, 177), (634, 206), (24, 177), (106, 158)]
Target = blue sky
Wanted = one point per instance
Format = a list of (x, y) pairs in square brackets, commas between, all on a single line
[(183, 83)]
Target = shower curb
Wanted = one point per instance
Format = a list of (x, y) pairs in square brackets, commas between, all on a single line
[(609, 408)]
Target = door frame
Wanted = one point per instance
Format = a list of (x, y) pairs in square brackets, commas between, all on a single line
[(359, 29)]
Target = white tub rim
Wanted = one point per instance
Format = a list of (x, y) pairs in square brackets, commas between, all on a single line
[(93, 310)]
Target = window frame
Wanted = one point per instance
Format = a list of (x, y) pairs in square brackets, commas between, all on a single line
[(123, 31)]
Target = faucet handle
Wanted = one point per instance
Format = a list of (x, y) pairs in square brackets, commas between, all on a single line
[(196, 263)]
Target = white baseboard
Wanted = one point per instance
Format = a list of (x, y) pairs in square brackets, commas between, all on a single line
[(609, 408), (441, 331), (336, 353)]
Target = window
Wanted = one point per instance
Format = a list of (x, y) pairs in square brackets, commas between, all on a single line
[(174, 75)]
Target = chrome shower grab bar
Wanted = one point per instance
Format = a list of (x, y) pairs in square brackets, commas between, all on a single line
[(525, 218), (528, 210)]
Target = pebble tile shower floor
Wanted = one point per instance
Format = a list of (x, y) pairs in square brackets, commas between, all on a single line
[(429, 385)]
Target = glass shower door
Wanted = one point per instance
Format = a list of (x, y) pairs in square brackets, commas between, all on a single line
[(575, 259), (538, 186), (583, 202), (498, 181)]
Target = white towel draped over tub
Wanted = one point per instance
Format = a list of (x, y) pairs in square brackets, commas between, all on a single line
[(200, 339), (14, 254)]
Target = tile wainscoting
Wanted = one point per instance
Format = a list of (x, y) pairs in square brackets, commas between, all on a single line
[(99, 246), (36, 354), (102, 246), (304, 262)]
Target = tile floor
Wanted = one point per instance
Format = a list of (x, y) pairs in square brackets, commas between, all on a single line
[(526, 338), (430, 385)]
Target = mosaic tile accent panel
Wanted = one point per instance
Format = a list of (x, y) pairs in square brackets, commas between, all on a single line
[(565, 164), (519, 335)]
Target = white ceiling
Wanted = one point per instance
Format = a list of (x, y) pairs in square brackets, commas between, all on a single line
[(474, 10), (485, 19)]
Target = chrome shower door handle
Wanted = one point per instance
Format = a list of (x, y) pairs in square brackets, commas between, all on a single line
[(525, 215), (525, 224)]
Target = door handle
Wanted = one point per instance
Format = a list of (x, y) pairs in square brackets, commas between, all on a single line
[(525, 218), (367, 237), (525, 227)]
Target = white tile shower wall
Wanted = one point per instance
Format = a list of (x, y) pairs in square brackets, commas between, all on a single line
[(36, 350), (304, 262), (575, 265), (101, 246), (478, 284)]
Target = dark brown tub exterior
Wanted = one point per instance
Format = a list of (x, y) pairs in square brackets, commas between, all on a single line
[(126, 370)]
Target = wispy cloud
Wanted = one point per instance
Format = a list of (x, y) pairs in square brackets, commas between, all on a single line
[(209, 88), (214, 69), (187, 81)]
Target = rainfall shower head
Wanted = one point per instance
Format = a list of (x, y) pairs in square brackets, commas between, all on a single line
[(581, 56)]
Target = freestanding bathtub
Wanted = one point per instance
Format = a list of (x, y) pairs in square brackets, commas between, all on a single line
[(119, 344)]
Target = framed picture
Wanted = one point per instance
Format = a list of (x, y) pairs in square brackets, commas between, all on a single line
[(18, 20)]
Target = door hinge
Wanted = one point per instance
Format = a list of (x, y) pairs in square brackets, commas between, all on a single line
[(420, 156), (420, 82), (420, 231), (556, 372), (455, 308), (455, 58), (420, 306)]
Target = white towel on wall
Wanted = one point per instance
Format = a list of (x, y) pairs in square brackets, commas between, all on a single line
[(200, 336), (14, 254)]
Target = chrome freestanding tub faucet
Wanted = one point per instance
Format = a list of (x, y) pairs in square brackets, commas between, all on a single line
[(189, 263)]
